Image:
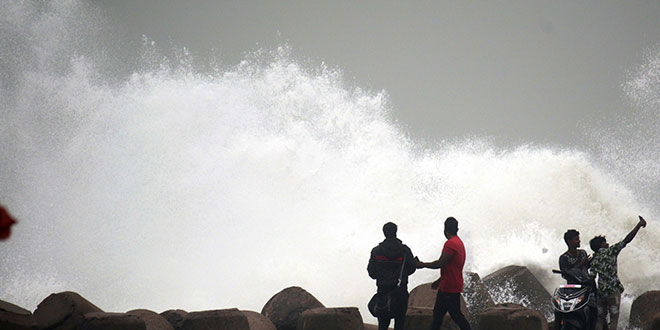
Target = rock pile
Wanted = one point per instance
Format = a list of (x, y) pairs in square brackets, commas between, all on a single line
[(296, 309)]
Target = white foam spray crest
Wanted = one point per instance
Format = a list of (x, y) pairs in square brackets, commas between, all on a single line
[(627, 145), (177, 189)]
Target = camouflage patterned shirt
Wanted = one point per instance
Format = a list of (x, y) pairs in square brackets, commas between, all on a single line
[(604, 264)]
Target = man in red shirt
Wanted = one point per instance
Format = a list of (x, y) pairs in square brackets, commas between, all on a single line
[(450, 283)]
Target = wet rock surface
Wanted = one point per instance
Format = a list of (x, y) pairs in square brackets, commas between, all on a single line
[(284, 308), (511, 317), (645, 311)]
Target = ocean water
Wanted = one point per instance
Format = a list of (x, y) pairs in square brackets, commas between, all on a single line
[(174, 187)]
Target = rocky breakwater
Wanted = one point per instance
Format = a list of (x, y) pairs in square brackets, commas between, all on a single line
[(524, 305)]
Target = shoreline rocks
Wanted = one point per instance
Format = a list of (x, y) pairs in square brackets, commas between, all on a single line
[(294, 308), (512, 317), (15, 317), (518, 282), (341, 318), (284, 308), (645, 311), (220, 319), (64, 311)]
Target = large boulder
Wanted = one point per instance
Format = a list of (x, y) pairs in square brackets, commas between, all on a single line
[(64, 310), (511, 317), (258, 321), (644, 309), (284, 308), (420, 318), (343, 318), (422, 297), (653, 323), (152, 320), (368, 326), (13, 317), (476, 297), (175, 317), (110, 321), (223, 319), (516, 284)]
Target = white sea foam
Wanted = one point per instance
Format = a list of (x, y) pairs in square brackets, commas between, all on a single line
[(180, 189)]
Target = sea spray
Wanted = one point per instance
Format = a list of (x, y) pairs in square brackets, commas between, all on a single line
[(175, 188)]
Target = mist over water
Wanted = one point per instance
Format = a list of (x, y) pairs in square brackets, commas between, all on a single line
[(181, 188)]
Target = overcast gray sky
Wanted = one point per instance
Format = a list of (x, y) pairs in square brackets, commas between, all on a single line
[(517, 71)]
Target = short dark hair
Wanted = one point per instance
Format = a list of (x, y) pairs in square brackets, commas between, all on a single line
[(597, 242), (389, 229), (451, 225), (570, 234)]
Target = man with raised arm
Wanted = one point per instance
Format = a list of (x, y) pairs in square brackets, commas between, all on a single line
[(450, 283), (604, 263)]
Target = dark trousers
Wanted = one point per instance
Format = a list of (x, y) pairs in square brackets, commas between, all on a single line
[(448, 302), (384, 322), (400, 318)]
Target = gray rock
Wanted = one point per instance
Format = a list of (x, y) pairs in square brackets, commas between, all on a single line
[(644, 309), (64, 310), (223, 319), (111, 321), (13, 317), (175, 317), (516, 284), (653, 323), (476, 297), (284, 308), (511, 317), (368, 326), (344, 318), (422, 298), (420, 318), (152, 320), (257, 321)]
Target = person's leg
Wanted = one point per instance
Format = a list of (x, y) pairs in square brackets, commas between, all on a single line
[(454, 308), (613, 303), (593, 311), (439, 310), (383, 323), (556, 325), (399, 321), (400, 318), (601, 305)]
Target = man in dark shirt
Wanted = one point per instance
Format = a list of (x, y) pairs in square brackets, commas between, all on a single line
[(577, 260), (574, 257), (385, 266)]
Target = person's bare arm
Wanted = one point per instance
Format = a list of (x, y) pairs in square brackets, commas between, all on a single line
[(443, 260), (633, 233)]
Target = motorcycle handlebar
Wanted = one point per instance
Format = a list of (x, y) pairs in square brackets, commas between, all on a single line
[(556, 271)]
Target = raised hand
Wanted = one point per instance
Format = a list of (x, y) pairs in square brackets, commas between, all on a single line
[(642, 222)]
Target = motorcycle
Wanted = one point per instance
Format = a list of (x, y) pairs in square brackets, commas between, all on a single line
[(575, 303)]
